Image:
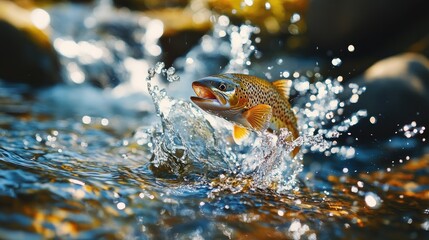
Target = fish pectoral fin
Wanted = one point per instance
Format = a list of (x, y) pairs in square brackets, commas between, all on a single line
[(239, 134), (283, 86), (258, 116)]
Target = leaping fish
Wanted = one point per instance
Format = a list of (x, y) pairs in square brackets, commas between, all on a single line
[(251, 103)]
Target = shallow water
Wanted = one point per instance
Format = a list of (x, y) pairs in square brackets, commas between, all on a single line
[(138, 160), (88, 177)]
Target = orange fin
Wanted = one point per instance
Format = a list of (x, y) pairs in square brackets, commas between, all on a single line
[(283, 86), (239, 134), (258, 116)]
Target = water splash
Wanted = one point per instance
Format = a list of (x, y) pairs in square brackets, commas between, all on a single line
[(192, 144), (411, 130), (95, 48), (320, 112), (226, 48), (190, 141)]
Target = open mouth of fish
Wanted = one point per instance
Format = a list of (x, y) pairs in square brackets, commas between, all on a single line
[(204, 94)]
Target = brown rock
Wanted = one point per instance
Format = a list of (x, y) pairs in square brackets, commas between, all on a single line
[(397, 93), (26, 53)]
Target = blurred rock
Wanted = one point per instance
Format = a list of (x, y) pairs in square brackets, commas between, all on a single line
[(30, 4), (183, 29), (271, 16), (143, 5), (26, 53), (376, 29), (365, 23), (397, 94)]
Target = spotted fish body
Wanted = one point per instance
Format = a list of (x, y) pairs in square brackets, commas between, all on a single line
[(248, 101), (259, 91)]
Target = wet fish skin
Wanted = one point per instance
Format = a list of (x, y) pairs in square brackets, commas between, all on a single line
[(251, 103)]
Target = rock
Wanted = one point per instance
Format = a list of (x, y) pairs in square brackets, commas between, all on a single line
[(273, 17), (376, 29), (366, 24), (27, 55), (397, 94), (143, 5), (183, 29)]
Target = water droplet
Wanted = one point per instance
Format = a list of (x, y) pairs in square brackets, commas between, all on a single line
[(295, 18), (38, 138), (173, 78), (354, 98), (190, 60), (151, 72), (86, 119), (285, 74), (296, 74), (248, 2), (104, 121), (336, 62), (120, 205), (372, 200), (171, 71), (223, 20), (329, 115), (159, 66), (40, 18)]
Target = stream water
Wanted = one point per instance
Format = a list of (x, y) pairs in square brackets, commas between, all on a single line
[(137, 160)]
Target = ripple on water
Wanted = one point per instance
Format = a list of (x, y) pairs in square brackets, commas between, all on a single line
[(81, 177)]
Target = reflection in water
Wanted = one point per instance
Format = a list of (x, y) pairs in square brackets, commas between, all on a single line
[(91, 173)]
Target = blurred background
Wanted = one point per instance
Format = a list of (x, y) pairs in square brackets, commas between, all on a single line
[(108, 44), (81, 143), (358, 33)]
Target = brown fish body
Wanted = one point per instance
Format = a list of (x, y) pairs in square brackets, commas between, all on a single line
[(258, 91), (248, 101)]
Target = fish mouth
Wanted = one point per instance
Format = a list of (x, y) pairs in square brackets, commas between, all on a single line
[(203, 92), (205, 95)]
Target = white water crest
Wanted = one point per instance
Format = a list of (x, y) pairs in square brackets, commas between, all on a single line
[(191, 141)]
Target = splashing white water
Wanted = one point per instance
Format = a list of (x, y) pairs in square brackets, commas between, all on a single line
[(187, 136)]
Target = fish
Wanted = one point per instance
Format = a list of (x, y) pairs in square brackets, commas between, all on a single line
[(249, 102)]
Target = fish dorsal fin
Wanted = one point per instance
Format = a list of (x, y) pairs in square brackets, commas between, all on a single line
[(239, 134), (258, 116), (283, 86)]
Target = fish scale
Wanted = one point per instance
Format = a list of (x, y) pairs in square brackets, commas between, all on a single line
[(248, 101), (264, 92)]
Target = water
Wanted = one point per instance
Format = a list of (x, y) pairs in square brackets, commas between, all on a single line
[(136, 160)]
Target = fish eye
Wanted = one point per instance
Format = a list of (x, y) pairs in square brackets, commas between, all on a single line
[(222, 87)]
